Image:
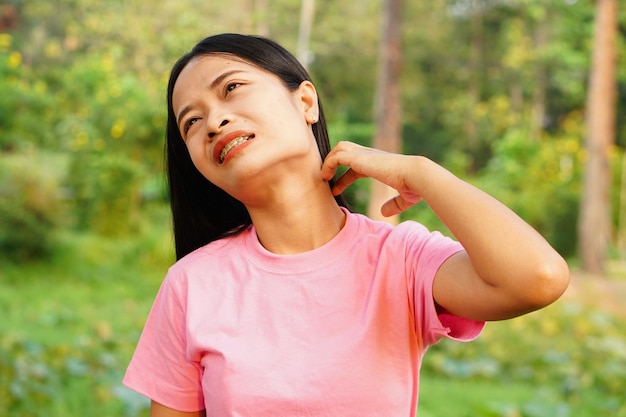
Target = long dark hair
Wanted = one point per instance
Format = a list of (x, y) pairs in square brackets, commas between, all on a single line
[(201, 211)]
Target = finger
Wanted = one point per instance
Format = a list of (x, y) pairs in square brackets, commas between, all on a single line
[(332, 162), (329, 166), (390, 207), (328, 171), (345, 180), (336, 157), (396, 205)]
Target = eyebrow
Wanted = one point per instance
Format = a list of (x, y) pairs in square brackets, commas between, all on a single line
[(213, 84)]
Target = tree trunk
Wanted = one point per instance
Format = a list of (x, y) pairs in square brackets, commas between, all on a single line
[(538, 110), (262, 27), (476, 63), (621, 214), (595, 224), (304, 33), (254, 13), (387, 101)]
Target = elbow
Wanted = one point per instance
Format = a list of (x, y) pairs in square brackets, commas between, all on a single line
[(549, 282)]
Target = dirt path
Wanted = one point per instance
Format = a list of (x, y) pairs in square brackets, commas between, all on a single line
[(603, 293)]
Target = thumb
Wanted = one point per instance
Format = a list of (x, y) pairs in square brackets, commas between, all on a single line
[(396, 205)]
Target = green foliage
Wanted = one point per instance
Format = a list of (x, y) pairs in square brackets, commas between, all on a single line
[(97, 115), (489, 398), (539, 180), (473, 78), (87, 103), (31, 206), (83, 84), (105, 192), (346, 97), (106, 110), (70, 324), (24, 101), (64, 351), (35, 377), (570, 353)]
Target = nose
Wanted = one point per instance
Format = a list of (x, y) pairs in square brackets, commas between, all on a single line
[(213, 132)]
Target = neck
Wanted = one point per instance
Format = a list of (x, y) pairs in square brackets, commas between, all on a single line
[(296, 219)]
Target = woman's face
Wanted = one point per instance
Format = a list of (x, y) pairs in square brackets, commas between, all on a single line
[(241, 124)]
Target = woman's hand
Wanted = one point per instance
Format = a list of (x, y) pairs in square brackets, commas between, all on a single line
[(388, 168), (507, 268)]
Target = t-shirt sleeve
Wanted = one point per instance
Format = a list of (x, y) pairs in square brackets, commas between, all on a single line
[(161, 368), (426, 252)]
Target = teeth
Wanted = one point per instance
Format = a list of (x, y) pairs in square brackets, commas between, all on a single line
[(230, 145)]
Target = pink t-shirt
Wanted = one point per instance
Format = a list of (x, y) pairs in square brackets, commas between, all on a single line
[(337, 331)]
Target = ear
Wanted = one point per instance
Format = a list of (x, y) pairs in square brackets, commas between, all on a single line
[(308, 98)]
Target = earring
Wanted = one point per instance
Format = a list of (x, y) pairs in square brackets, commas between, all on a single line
[(313, 120)]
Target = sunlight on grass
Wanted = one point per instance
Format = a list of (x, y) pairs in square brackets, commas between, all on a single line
[(566, 360), (70, 325), (441, 397)]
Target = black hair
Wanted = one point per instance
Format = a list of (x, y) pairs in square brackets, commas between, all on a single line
[(201, 211)]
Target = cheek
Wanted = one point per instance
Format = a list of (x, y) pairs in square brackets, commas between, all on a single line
[(199, 154), (194, 152)]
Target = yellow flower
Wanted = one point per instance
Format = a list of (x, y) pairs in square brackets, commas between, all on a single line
[(5, 40), (15, 59), (118, 128)]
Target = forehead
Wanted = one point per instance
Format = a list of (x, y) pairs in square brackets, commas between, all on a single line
[(202, 71), (210, 66)]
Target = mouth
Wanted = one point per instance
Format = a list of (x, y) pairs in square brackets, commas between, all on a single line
[(232, 144)]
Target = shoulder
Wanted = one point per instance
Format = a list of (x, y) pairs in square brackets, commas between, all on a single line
[(411, 228), (367, 226), (419, 246), (198, 260), (408, 231), (418, 235), (410, 239), (405, 228), (410, 234)]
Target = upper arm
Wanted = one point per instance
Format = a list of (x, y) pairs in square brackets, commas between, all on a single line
[(159, 410), (459, 290)]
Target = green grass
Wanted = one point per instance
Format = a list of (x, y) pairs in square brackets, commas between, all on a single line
[(453, 397), (564, 361), (92, 287), (450, 397), (70, 325)]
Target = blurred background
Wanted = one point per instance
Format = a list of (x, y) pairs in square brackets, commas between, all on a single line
[(524, 98)]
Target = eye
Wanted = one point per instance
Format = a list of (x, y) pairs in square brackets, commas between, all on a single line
[(230, 87), (190, 122)]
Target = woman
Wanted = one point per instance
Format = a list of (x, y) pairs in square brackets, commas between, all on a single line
[(282, 302)]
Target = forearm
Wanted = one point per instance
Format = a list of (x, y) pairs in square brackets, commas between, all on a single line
[(509, 268), (504, 250)]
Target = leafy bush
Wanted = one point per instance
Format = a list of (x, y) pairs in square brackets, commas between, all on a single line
[(540, 181), (31, 208), (24, 102), (105, 191), (575, 352), (67, 379)]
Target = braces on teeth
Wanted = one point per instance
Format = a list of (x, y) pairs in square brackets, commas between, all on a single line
[(230, 145)]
